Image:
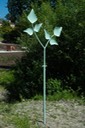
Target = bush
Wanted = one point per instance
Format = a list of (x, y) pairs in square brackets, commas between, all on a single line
[(53, 86), (28, 77), (65, 62), (6, 77)]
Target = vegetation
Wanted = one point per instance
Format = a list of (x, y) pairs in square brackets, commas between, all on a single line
[(27, 114), (16, 7), (65, 63), (6, 77), (55, 89), (7, 32), (12, 118)]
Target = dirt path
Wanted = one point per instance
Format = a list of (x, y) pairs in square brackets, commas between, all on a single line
[(60, 114)]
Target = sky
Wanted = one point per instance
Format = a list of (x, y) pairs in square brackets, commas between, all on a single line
[(3, 8)]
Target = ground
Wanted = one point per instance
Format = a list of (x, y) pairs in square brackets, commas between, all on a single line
[(59, 114)]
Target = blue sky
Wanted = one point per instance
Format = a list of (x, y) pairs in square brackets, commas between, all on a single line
[(3, 8)]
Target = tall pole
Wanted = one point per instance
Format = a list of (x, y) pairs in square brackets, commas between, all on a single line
[(56, 32), (44, 85)]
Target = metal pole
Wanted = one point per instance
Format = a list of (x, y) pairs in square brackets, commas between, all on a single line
[(44, 85), (44, 79), (57, 31)]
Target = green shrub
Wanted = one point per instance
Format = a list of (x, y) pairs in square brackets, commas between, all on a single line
[(28, 77), (53, 86), (65, 61), (65, 94), (38, 97), (55, 91), (6, 77)]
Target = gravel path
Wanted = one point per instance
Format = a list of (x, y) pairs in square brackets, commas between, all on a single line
[(60, 114)]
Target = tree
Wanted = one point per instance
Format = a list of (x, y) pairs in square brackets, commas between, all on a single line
[(16, 7), (5, 29), (65, 62)]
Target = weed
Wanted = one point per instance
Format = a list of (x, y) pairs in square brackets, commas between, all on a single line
[(21, 122), (37, 97), (6, 77)]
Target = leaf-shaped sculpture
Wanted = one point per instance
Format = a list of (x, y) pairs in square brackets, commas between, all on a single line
[(57, 31), (32, 17), (53, 42), (37, 27), (47, 35), (29, 31)]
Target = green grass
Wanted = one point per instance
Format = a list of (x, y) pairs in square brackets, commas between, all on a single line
[(1, 88), (1, 39), (6, 76), (38, 97), (21, 122), (63, 95), (13, 116), (13, 120)]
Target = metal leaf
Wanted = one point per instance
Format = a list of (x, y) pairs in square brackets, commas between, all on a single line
[(37, 27), (47, 35), (32, 17), (29, 31), (53, 42), (57, 31)]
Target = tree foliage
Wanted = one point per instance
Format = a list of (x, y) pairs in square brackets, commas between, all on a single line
[(16, 7), (5, 29), (65, 62)]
